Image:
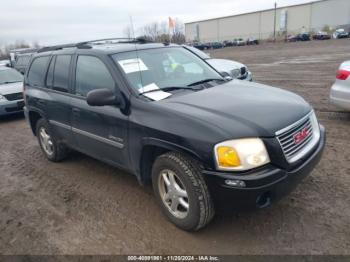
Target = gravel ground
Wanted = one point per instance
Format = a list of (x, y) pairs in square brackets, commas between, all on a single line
[(82, 206)]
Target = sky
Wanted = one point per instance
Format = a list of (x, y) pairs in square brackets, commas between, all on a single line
[(64, 21)]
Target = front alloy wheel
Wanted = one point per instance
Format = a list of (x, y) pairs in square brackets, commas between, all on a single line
[(173, 193), (181, 191)]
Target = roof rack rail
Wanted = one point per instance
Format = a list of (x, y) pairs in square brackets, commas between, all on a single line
[(58, 47), (87, 44)]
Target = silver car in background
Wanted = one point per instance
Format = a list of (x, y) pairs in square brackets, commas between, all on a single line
[(11, 87), (232, 68), (340, 91)]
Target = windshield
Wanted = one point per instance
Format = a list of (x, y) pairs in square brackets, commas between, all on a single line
[(10, 76), (161, 68)]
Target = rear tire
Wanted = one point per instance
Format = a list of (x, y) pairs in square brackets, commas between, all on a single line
[(53, 149), (188, 191)]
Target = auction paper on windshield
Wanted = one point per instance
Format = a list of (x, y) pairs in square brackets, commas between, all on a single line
[(155, 93), (132, 65)]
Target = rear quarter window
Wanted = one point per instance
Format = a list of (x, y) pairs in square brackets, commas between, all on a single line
[(61, 73), (37, 71)]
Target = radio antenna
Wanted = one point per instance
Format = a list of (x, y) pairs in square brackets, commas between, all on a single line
[(132, 27), (136, 50)]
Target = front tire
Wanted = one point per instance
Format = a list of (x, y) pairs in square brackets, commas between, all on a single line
[(181, 191), (53, 149)]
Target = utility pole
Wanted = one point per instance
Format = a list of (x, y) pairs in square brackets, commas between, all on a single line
[(274, 23)]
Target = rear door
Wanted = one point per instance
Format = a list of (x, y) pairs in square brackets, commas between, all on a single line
[(99, 131), (59, 103), (36, 91)]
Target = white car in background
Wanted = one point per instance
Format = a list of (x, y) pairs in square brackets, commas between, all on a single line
[(4, 62), (340, 91), (225, 67), (11, 87)]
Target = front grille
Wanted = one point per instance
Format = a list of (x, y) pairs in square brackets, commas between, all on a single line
[(13, 97), (243, 71), (294, 148)]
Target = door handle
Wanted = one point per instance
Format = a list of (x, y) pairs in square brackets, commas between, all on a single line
[(76, 111), (41, 102)]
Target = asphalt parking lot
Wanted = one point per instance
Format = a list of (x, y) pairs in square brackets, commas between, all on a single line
[(82, 206)]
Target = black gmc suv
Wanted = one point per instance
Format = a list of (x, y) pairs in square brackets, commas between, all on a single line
[(163, 114)]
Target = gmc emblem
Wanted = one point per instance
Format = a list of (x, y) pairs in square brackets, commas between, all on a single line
[(300, 136)]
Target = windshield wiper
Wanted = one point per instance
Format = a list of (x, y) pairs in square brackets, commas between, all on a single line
[(206, 81), (170, 88)]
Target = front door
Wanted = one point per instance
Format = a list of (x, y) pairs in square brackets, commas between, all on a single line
[(99, 131)]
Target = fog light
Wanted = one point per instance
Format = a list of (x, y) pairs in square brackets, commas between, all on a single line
[(235, 183)]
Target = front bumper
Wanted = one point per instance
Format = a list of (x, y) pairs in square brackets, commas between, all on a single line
[(263, 187), (11, 107)]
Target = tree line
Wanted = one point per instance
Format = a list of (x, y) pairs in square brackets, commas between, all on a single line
[(155, 32), (5, 50), (159, 32)]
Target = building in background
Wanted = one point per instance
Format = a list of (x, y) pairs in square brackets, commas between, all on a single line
[(309, 17)]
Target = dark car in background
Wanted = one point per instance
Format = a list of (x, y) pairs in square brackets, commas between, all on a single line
[(163, 114), (320, 35), (228, 43), (216, 45), (299, 37), (202, 46), (252, 41)]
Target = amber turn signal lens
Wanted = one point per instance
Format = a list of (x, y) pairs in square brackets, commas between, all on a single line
[(227, 157)]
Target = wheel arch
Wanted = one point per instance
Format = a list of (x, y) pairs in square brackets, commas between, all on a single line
[(151, 149), (33, 117)]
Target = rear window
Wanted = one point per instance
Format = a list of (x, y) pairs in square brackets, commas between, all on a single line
[(49, 78), (37, 71), (23, 60)]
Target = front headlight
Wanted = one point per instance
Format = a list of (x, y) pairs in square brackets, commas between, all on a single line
[(2, 97), (235, 73), (241, 154)]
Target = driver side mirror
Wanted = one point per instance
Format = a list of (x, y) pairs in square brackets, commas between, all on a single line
[(103, 97)]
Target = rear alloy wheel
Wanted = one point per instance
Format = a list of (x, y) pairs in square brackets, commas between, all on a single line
[(46, 141), (51, 147), (181, 191)]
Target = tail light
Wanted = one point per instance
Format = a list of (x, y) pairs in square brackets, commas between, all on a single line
[(343, 74)]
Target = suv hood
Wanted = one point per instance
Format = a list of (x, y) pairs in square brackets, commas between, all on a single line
[(241, 109), (12, 88)]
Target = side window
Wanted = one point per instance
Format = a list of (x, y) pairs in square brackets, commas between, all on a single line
[(61, 73), (37, 71), (91, 73), (49, 78)]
